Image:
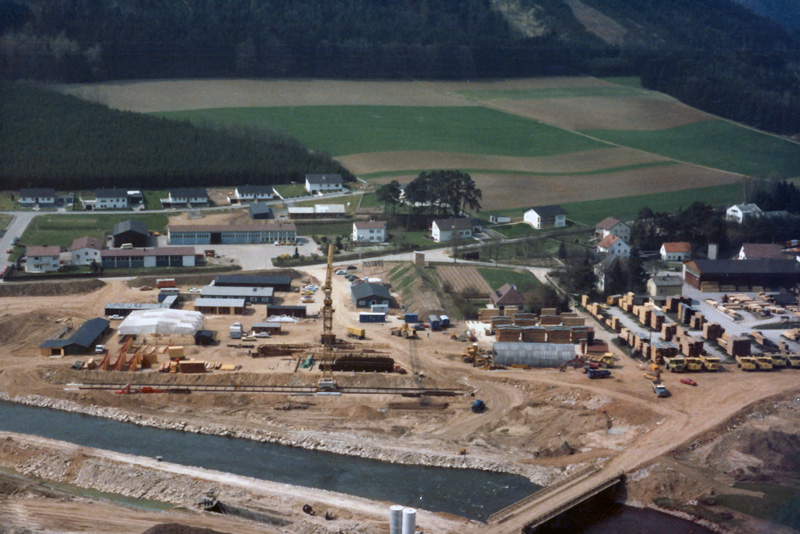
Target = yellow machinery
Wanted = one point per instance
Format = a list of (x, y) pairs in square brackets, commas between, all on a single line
[(694, 364), (779, 360), (710, 363), (404, 331), (747, 363), (603, 360), (328, 338), (358, 333), (764, 363)]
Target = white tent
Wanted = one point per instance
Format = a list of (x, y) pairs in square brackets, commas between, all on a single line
[(165, 322)]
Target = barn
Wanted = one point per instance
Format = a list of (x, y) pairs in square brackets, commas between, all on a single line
[(130, 231)]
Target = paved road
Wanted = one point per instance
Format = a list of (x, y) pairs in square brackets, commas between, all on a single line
[(20, 221)]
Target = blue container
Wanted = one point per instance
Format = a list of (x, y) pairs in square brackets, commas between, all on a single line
[(372, 317), (445, 321), (435, 322), (411, 318), (478, 406)]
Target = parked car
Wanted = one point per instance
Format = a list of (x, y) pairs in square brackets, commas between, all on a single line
[(195, 290), (261, 334), (341, 271), (99, 349), (116, 317), (15, 241), (688, 382), (351, 268)]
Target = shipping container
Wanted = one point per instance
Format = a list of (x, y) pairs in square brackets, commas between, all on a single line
[(445, 320), (435, 322), (411, 318), (165, 282), (365, 317)]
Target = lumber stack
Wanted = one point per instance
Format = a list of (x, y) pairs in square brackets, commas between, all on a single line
[(712, 331), (510, 311), (668, 331), (559, 334), (534, 334), (508, 333)]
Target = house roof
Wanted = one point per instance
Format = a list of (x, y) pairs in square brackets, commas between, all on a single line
[(219, 303), (252, 280), (236, 291), (506, 295), (259, 208), (607, 224), (678, 246), (85, 336), (267, 226), (755, 267), (461, 223), (370, 225), (608, 241), (607, 263), (324, 178), (42, 251), (111, 193), (548, 211), (86, 242), (188, 192), (747, 208), (158, 251), (762, 251), (667, 281), (255, 189), (366, 290), (130, 226), (37, 192)]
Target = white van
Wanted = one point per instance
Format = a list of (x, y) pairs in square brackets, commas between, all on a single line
[(126, 245)]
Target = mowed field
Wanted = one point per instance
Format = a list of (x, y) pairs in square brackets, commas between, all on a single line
[(525, 142)]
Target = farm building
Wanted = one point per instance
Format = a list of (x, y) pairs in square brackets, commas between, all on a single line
[(532, 354), (82, 341), (761, 251), (739, 212), (321, 183), (252, 193), (546, 217), (215, 306), (260, 211), (164, 322), (443, 230), (85, 250), (277, 283), (111, 199), (318, 211), (130, 231), (664, 286), (191, 196), (42, 259), (289, 311), (253, 295), (366, 294), (614, 246), (42, 197), (148, 257), (227, 234), (770, 273), (507, 295), (126, 308), (613, 226), (677, 251), (369, 231), (272, 328)]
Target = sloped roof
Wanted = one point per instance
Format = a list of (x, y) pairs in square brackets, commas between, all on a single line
[(607, 224), (130, 226), (37, 192), (252, 280), (461, 223), (157, 251), (370, 225), (86, 242), (747, 208), (608, 241), (266, 226), (361, 291), (111, 193), (763, 251), (42, 251), (549, 211), (678, 246), (85, 336), (324, 178), (506, 295), (765, 267), (188, 192), (258, 208), (255, 189), (667, 281)]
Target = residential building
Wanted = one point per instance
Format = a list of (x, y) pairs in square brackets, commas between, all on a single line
[(147, 257), (42, 259), (444, 230), (615, 246), (664, 286), (506, 295), (41, 197), (252, 193), (676, 251), (369, 231), (603, 270), (192, 196), (761, 251), (130, 231), (229, 234), (82, 341), (739, 212), (612, 226), (366, 294), (85, 250), (546, 217), (111, 199), (323, 183)]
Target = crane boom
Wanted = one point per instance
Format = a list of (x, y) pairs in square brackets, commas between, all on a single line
[(328, 338)]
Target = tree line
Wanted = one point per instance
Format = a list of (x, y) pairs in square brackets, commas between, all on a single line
[(54, 140)]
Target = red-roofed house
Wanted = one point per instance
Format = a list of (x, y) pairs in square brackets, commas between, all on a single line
[(85, 250), (612, 226), (678, 251), (42, 259), (615, 246), (761, 251)]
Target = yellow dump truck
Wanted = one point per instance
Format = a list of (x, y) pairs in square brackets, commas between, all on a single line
[(675, 364), (694, 364), (358, 333), (779, 361), (710, 363), (746, 363), (793, 359), (603, 360), (764, 363)]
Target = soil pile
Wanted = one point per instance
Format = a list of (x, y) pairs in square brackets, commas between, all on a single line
[(176, 528), (50, 289)]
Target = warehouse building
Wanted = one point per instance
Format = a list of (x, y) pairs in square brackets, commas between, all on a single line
[(126, 308), (289, 311), (229, 234), (709, 275), (533, 354), (82, 341), (253, 295), (261, 211), (130, 231), (277, 283), (147, 257), (366, 295), (272, 328), (213, 306)]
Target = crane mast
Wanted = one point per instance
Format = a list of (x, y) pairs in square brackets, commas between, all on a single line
[(328, 338)]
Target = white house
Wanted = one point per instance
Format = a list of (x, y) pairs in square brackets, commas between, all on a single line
[(110, 199), (446, 229), (322, 183), (613, 226), (739, 212), (86, 249), (43, 198), (677, 251), (195, 196), (253, 193), (611, 244), (369, 231), (546, 217), (42, 259)]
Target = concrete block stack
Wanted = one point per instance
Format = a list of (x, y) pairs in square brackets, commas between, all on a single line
[(668, 331), (534, 334), (508, 332), (712, 331), (559, 334)]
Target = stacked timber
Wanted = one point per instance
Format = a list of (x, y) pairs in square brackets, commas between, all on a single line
[(510, 311), (508, 332), (581, 333), (625, 334), (485, 314), (712, 331), (668, 331), (626, 302), (690, 346), (534, 334), (596, 310), (663, 349), (572, 321), (525, 319), (657, 319), (584, 300), (499, 320), (549, 320), (559, 334), (614, 323), (709, 287), (697, 321), (738, 346), (549, 311), (643, 313)]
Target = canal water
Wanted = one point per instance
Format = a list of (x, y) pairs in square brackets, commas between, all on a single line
[(465, 492)]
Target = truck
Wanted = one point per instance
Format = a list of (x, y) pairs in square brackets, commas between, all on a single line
[(746, 363), (435, 322), (365, 317), (675, 364), (236, 331), (710, 363), (603, 360), (445, 320), (694, 364), (764, 363), (660, 389), (779, 360), (793, 360), (598, 373), (358, 333)]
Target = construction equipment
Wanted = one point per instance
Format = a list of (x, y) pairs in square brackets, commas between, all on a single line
[(793, 359), (779, 360), (764, 362), (358, 333), (404, 331), (675, 364), (598, 373), (694, 364), (575, 362), (603, 360), (746, 363), (710, 363), (328, 338)]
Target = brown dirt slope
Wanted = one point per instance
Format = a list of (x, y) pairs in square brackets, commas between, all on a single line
[(49, 289)]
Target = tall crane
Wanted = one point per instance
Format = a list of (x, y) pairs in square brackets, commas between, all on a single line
[(328, 338)]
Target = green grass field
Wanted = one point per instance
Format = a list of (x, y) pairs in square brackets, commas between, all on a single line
[(291, 190), (717, 144), (342, 130), (496, 277), (61, 230)]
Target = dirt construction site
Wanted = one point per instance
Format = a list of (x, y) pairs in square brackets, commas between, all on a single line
[(540, 423)]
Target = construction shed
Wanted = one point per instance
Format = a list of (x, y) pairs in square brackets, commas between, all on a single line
[(277, 283), (291, 311), (220, 306), (532, 354), (82, 341), (770, 273), (126, 308), (253, 295), (271, 328)]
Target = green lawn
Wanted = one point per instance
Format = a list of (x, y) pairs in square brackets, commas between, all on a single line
[(717, 144), (496, 277), (8, 201), (152, 199), (523, 229), (342, 130), (62, 229), (4, 220), (291, 190), (369, 200)]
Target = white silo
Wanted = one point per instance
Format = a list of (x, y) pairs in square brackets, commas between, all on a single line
[(409, 520), (395, 519)]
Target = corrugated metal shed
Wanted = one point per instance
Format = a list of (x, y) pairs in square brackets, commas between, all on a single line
[(533, 354)]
